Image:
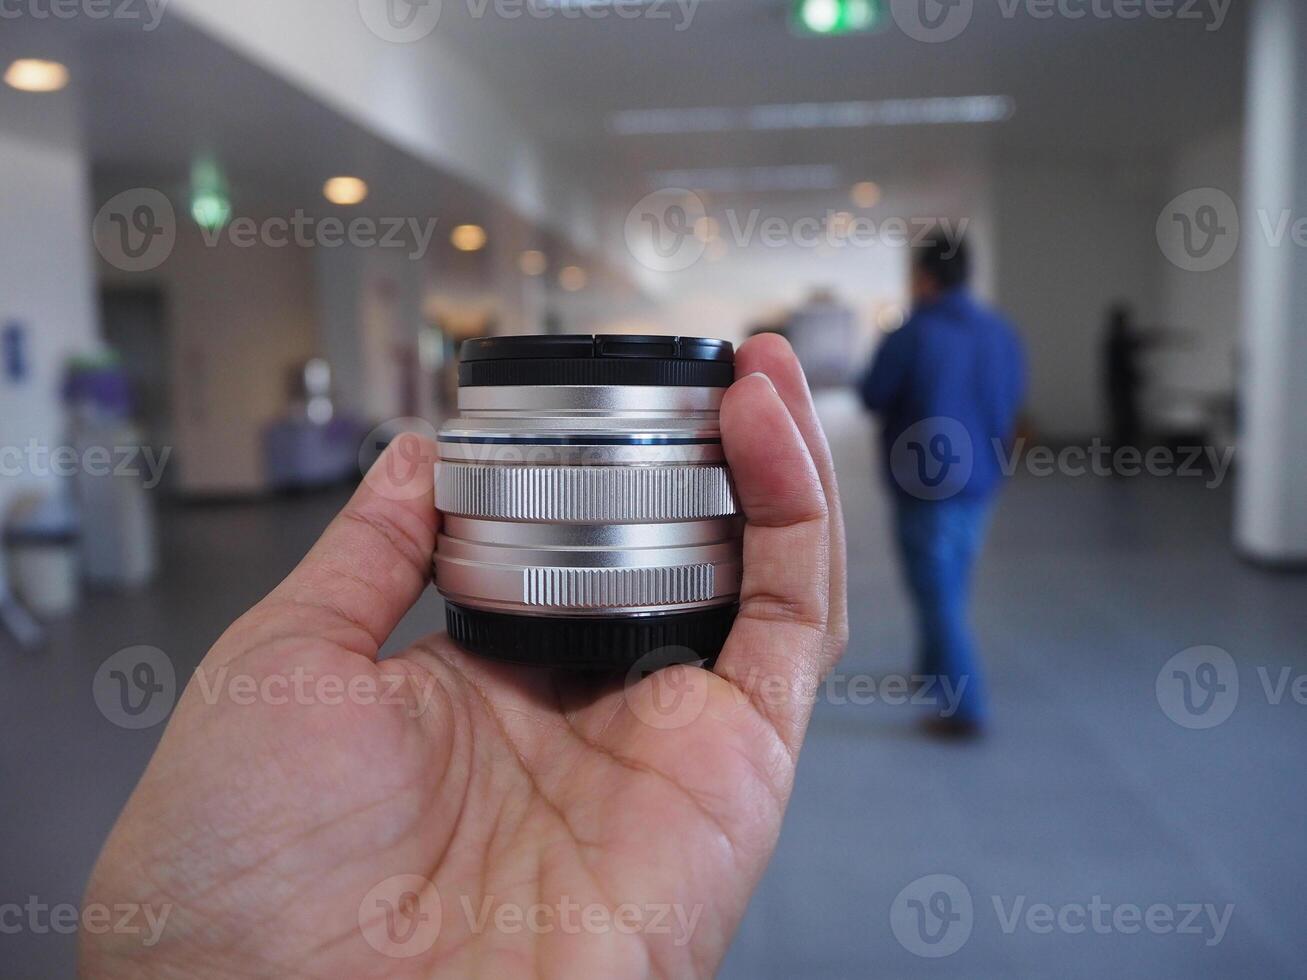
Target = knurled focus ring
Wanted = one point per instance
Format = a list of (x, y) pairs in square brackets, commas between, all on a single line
[(585, 494)]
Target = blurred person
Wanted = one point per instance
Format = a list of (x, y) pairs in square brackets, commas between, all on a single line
[(947, 386), (1122, 375), (383, 837), (1125, 378)]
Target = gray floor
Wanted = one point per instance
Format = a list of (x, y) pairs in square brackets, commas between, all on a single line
[(1085, 788)]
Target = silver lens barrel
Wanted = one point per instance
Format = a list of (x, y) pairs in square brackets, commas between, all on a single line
[(605, 507), (586, 501)]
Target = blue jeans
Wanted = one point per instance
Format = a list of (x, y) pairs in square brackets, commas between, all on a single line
[(939, 541)]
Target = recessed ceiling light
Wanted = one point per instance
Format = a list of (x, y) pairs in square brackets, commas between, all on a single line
[(814, 115), (792, 177), (468, 238), (532, 262), (36, 75), (572, 278), (865, 194), (345, 190)]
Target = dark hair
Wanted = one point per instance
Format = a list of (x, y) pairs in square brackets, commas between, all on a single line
[(944, 259)]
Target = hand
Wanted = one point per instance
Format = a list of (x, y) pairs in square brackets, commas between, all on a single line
[(483, 819)]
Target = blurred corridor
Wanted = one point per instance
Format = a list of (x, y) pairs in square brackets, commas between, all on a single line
[(244, 242)]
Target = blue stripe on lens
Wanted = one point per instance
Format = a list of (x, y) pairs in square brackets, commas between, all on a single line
[(579, 440)]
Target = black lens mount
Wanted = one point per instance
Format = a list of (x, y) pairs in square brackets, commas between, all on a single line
[(596, 359), (607, 643)]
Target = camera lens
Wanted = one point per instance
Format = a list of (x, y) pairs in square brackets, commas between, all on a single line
[(588, 514)]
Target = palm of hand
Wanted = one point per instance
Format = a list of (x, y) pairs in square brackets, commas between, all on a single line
[(458, 816)]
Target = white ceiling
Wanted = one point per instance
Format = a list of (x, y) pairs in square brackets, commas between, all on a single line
[(1114, 88), (1121, 91)]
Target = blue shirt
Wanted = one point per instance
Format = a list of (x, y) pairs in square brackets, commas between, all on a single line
[(957, 365)]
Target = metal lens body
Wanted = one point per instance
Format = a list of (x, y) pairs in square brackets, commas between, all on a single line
[(587, 525)]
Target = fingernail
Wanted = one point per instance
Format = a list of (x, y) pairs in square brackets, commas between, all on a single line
[(759, 374)]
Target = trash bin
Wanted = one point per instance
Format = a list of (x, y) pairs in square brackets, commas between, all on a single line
[(41, 540)]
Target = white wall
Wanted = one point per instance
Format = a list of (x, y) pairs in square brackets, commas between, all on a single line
[(1206, 303), (45, 266), (239, 319), (369, 311), (425, 96), (1073, 237)]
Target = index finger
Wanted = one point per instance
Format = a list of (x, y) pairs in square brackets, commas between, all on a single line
[(780, 632), (370, 565), (772, 355)]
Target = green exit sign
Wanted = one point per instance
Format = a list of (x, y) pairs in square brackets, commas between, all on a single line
[(832, 17)]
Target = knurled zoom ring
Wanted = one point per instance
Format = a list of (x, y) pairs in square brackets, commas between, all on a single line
[(597, 588), (585, 494)]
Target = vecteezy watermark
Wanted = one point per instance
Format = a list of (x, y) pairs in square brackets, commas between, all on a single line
[(935, 21), (130, 462), (407, 470), (934, 459), (136, 231), (64, 918), (1200, 230), (1207, 463), (674, 698), (1199, 687), (934, 916), (1211, 13), (136, 687), (670, 230), (932, 21), (570, 917), (301, 230), (407, 21), (402, 916), (678, 13), (660, 230), (665, 688), (400, 21), (149, 13), (303, 686)]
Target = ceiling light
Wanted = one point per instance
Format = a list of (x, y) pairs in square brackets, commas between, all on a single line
[(532, 262), (572, 278), (836, 16), (969, 109), (210, 209), (865, 194), (795, 177), (468, 238), (36, 75), (819, 16), (345, 190)]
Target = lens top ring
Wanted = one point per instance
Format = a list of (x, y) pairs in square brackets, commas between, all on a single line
[(598, 359)]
